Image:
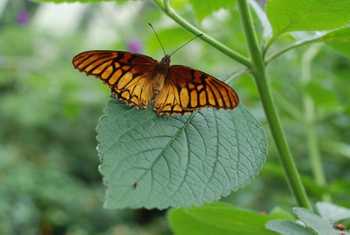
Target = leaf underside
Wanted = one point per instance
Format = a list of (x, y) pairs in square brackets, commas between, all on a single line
[(159, 162)]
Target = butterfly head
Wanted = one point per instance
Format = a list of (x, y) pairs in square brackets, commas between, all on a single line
[(165, 60)]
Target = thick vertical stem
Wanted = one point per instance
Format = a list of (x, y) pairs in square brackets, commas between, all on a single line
[(258, 69)]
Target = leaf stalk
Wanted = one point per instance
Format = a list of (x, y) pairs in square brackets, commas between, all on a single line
[(167, 9)]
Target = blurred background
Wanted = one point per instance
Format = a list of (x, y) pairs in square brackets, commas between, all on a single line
[(49, 179)]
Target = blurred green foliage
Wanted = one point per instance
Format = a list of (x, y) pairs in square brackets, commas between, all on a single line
[(49, 181)]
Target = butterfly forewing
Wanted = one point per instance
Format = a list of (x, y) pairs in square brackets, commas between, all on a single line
[(139, 81), (128, 74), (186, 90)]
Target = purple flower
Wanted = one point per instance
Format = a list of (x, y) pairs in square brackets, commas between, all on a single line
[(134, 46), (22, 17)]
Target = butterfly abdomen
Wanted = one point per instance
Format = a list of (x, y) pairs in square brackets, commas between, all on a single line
[(157, 85), (159, 75)]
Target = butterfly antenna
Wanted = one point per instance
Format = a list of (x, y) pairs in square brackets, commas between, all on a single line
[(183, 45), (160, 43)]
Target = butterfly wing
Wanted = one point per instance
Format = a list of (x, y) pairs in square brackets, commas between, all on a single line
[(128, 74), (186, 90)]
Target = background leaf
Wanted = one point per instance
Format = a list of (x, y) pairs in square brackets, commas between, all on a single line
[(321, 225), (218, 218), (317, 223), (339, 40), (180, 161), (288, 228), (307, 15), (209, 7), (332, 212)]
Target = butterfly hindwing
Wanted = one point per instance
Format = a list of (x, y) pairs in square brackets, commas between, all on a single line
[(186, 90), (128, 74), (138, 81)]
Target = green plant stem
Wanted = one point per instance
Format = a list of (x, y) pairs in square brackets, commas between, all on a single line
[(290, 47), (236, 75), (258, 70), (192, 29), (259, 73), (309, 118)]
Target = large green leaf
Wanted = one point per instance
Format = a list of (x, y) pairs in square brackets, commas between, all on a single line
[(339, 40), (202, 9), (307, 15), (220, 219), (150, 161)]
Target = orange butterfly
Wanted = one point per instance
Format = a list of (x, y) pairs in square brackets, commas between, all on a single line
[(140, 81)]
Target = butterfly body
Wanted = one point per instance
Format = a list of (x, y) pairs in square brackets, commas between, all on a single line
[(163, 66), (159, 76), (140, 81)]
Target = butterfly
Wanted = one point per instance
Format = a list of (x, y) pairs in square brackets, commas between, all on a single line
[(141, 81)]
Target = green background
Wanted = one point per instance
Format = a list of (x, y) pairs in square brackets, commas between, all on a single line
[(49, 181)]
